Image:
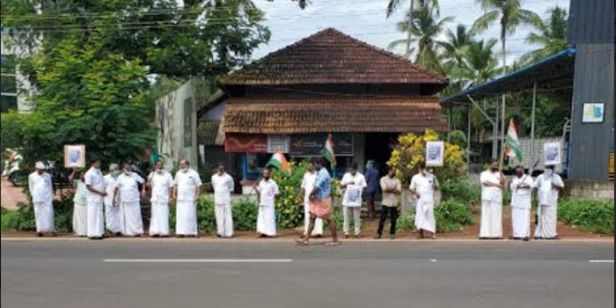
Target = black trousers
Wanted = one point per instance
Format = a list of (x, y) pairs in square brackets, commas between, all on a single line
[(393, 213)]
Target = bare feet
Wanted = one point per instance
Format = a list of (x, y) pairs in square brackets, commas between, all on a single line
[(336, 243)]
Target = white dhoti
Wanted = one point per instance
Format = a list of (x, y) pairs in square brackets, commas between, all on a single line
[(43, 213), (548, 222), (224, 220), (424, 216), (318, 224), (159, 224), (266, 222), (80, 220), (491, 220), (520, 218), (113, 220), (132, 224), (348, 214), (186, 224), (96, 219)]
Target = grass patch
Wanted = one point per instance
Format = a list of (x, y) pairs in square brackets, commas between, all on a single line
[(588, 215)]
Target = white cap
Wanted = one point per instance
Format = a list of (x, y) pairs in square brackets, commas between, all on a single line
[(40, 166)]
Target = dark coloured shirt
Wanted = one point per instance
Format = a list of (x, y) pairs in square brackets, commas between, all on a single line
[(372, 179)]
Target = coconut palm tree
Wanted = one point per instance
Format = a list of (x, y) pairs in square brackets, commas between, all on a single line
[(394, 5), (551, 36), (455, 45), (426, 27)]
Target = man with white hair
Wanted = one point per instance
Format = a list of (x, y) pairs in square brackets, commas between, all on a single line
[(161, 185), (112, 212), (549, 185), (127, 196), (41, 189), (187, 190)]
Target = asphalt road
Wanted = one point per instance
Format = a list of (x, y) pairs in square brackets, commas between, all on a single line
[(282, 275)]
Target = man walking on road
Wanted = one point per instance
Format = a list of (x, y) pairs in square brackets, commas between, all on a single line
[(521, 199), (392, 188), (423, 186), (353, 183), (161, 186), (223, 185), (321, 204), (492, 183), (127, 198), (308, 182), (41, 190), (112, 212), (187, 191), (549, 186), (96, 193)]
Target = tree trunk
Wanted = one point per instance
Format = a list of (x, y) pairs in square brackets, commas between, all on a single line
[(409, 34)]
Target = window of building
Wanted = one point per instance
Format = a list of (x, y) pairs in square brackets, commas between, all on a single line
[(9, 83)]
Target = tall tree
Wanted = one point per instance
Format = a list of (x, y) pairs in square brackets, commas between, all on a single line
[(394, 5), (509, 14), (551, 36), (427, 28)]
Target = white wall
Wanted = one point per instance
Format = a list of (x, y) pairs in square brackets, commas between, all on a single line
[(23, 85)]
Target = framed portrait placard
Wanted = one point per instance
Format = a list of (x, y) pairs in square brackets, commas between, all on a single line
[(435, 154), (552, 154), (75, 156)]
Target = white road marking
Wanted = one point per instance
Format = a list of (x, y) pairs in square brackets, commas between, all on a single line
[(601, 261), (434, 260), (197, 261)]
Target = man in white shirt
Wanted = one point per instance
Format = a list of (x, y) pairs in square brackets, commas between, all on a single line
[(41, 189), (423, 186), (492, 183), (112, 212), (308, 182), (267, 190), (223, 185), (96, 193), (521, 199), (187, 191), (353, 183), (127, 198), (549, 185), (161, 186)]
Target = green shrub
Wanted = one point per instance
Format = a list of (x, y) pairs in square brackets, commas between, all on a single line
[(289, 214), (245, 213), (23, 220), (461, 189), (451, 216), (588, 215)]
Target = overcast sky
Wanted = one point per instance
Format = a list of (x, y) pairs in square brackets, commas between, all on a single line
[(366, 20)]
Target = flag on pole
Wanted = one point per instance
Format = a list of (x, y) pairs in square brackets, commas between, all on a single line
[(328, 151), (512, 143), (279, 161)]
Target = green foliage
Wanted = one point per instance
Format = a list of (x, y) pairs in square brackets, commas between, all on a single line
[(451, 216), (245, 213), (23, 220), (406, 222), (588, 215), (289, 214), (461, 189)]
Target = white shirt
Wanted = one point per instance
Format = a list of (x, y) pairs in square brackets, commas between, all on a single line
[(267, 192), (353, 193), (547, 194), (187, 183), (521, 198), (308, 182), (494, 194), (160, 185), (223, 187), (95, 179), (110, 182), (424, 185), (41, 187), (128, 186)]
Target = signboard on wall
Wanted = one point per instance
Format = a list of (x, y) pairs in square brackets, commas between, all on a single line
[(312, 145), (593, 113), (188, 123), (275, 142), (238, 143)]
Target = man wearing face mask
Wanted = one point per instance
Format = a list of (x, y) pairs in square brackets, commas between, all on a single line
[(160, 183), (492, 183), (521, 199), (187, 190), (267, 190), (223, 187), (549, 186), (127, 198), (112, 213), (353, 183), (423, 186)]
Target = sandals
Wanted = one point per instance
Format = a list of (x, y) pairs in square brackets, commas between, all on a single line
[(302, 242)]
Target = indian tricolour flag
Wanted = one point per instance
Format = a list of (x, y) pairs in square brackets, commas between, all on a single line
[(328, 151), (279, 161), (512, 143)]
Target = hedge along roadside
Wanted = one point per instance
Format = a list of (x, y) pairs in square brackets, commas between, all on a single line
[(588, 215), (451, 216)]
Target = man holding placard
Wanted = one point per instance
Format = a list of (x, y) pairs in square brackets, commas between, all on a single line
[(549, 185)]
